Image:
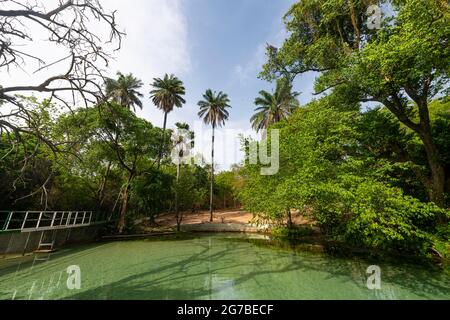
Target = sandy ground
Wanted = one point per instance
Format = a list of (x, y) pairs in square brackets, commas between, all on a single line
[(222, 216)]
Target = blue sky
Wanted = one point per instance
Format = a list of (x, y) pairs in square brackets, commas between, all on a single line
[(213, 44), (217, 44), (227, 44), (224, 49)]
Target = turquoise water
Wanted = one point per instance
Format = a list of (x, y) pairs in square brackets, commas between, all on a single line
[(215, 266)]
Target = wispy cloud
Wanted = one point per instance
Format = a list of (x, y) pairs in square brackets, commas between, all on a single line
[(157, 42), (157, 37), (250, 70)]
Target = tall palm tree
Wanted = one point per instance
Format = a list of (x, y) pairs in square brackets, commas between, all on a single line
[(274, 107), (124, 90), (167, 94), (183, 141), (213, 110)]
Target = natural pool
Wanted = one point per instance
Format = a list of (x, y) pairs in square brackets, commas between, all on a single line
[(215, 266)]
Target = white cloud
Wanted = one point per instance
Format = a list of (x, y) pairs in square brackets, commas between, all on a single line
[(156, 43), (250, 70), (157, 37), (227, 142)]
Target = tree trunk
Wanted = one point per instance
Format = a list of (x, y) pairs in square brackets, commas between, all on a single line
[(161, 147), (126, 198), (101, 191), (436, 186), (436, 182), (177, 209), (289, 218), (212, 179)]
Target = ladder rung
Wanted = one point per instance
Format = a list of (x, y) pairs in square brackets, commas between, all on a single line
[(46, 244), (45, 251), (42, 259)]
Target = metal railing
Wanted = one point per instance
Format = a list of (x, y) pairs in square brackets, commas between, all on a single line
[(29, 221)]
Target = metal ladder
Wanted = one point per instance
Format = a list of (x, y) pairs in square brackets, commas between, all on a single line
[(45, 249)]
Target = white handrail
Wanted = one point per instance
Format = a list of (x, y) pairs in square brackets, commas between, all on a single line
[(59, 220)]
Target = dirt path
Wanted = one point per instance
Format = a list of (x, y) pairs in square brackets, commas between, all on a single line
[(230, 216), (221, 216)]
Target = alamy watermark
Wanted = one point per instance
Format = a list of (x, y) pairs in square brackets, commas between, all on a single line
[(374, 280), (74, 279), (258, 153), (373, 17), (227, 147)]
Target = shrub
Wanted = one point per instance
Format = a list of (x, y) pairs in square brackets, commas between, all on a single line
[(383, 218)]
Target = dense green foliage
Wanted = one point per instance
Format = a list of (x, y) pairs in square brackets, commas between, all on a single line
[(354, 183), (368, 162), (373, 177), (272, 108), (105, 161), (403, 65)]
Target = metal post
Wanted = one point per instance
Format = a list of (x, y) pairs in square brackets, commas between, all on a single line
[(26, 244), (53, 220), (24, 220), (75, 220), (39, 220), (68, 218), (55, 233), (62, 218), (8, 219), (68, 234), (40, 240), (7, 248)]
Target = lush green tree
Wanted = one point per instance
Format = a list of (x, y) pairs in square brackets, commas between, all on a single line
[(116, 136), (272, 108), (189, 192), (403, 65), (228, 184), (167, 93), (153, 193), (124, 90), (329, 173), (132, 140), (213, 110)]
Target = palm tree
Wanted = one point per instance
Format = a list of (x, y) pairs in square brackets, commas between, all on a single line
[(183, 141), (124, 90), (167, 93), (274, 107), (213, 110)]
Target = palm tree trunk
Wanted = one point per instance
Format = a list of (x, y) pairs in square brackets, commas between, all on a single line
[(177, 209), (161, 147), (212, 179)]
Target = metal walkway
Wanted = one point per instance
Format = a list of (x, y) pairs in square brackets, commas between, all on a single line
[(32, 221)]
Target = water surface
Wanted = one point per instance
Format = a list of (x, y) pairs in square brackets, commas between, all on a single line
[(219, 266)]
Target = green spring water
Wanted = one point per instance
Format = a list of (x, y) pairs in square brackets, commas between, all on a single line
[(218, 266)]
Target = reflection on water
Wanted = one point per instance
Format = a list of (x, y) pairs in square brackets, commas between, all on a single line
[(220, 266)]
